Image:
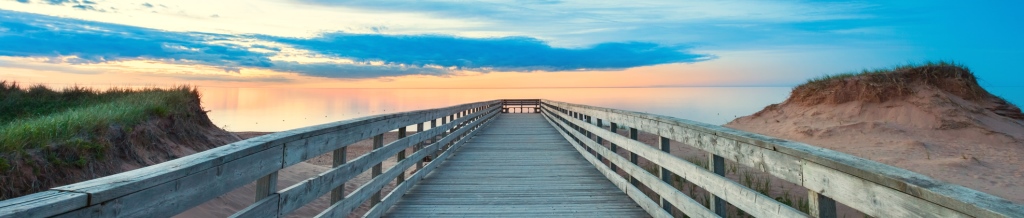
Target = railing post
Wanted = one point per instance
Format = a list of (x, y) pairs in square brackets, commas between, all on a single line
[(266, 185), (717, 165), (433, 124), (587, 133), (444, 120), (340, 157), (600, 142), (633, 158), (378, 142), (419, 145), (589, 136), (666, 176), (820, 206), (615, 148), (401, 155)]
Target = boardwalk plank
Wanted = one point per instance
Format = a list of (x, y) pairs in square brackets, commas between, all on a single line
[(519, 166)]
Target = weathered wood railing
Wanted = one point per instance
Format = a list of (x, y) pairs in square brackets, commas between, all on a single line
[(873, 188), (520, 106), (174, 186)]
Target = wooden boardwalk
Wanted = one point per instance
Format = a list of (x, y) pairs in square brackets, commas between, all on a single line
[(519, 166), (505, 164)]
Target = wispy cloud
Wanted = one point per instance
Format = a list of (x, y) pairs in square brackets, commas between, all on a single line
[(29, 35), (86, 5), (505, 54), (578, 22), (82, 42)]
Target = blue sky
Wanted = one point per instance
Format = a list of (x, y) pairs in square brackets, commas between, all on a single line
[(663, 43)]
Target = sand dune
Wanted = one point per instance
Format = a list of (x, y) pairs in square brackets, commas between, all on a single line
[(976, 141)]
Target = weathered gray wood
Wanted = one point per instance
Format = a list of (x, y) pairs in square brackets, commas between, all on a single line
[(820, 206), (118, 194), (378, 142), (689, 206), (304, 192), (313, 146), (716, 164), (107, 188), (823, 171), (633, 158), (782, 159), (401, 154), (615, 148), (267, 207), (665, 175), (494, 176), (374, 185), (403, 188), (419, 128), (265, 186), (181, 194), (371, 187), (740, 196), (110, 187), (339, 157), (42, 204), (631, 190), (871, 198)]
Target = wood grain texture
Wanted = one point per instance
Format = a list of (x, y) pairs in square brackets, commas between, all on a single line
[(185, 182), (742, 197), (363, 192), (262, 208), (518, 166), (106, 188), (300, 194), (42, 204), (174, 197), (785, 160), (872, 199), (689, 206), (400, 191)]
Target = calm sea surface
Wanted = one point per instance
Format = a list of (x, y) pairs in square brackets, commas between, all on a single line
[(272, 109)]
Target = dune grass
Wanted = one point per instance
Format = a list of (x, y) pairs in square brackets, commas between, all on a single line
[(876, 71), (39, 116), (882, 84), (879, 71)]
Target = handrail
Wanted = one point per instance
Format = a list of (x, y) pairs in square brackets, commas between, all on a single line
[(523, 105), (873, 188), (169, 188)]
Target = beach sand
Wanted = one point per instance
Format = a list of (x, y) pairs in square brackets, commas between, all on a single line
[(932, 133)]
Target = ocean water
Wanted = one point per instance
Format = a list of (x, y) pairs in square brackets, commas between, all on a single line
[(273, 109)]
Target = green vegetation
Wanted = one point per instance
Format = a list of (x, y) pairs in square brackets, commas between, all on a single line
[(73, 118), (881, 71), (880, 85)]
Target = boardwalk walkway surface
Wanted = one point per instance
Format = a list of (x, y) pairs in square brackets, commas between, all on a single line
[(519, 166)]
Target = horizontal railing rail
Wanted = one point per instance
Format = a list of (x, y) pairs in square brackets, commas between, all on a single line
[(520, 106), (169, 188), (873, 188)]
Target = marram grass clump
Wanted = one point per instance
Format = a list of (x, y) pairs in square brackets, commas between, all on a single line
[(54, 137), (38, 117), (880, 85)]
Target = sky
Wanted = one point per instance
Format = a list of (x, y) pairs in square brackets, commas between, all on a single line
[(496, 44)]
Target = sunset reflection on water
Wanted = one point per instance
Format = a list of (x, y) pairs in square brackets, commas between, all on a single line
[(273, 109)]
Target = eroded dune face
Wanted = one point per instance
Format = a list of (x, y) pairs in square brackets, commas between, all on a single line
[(971, 138)]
